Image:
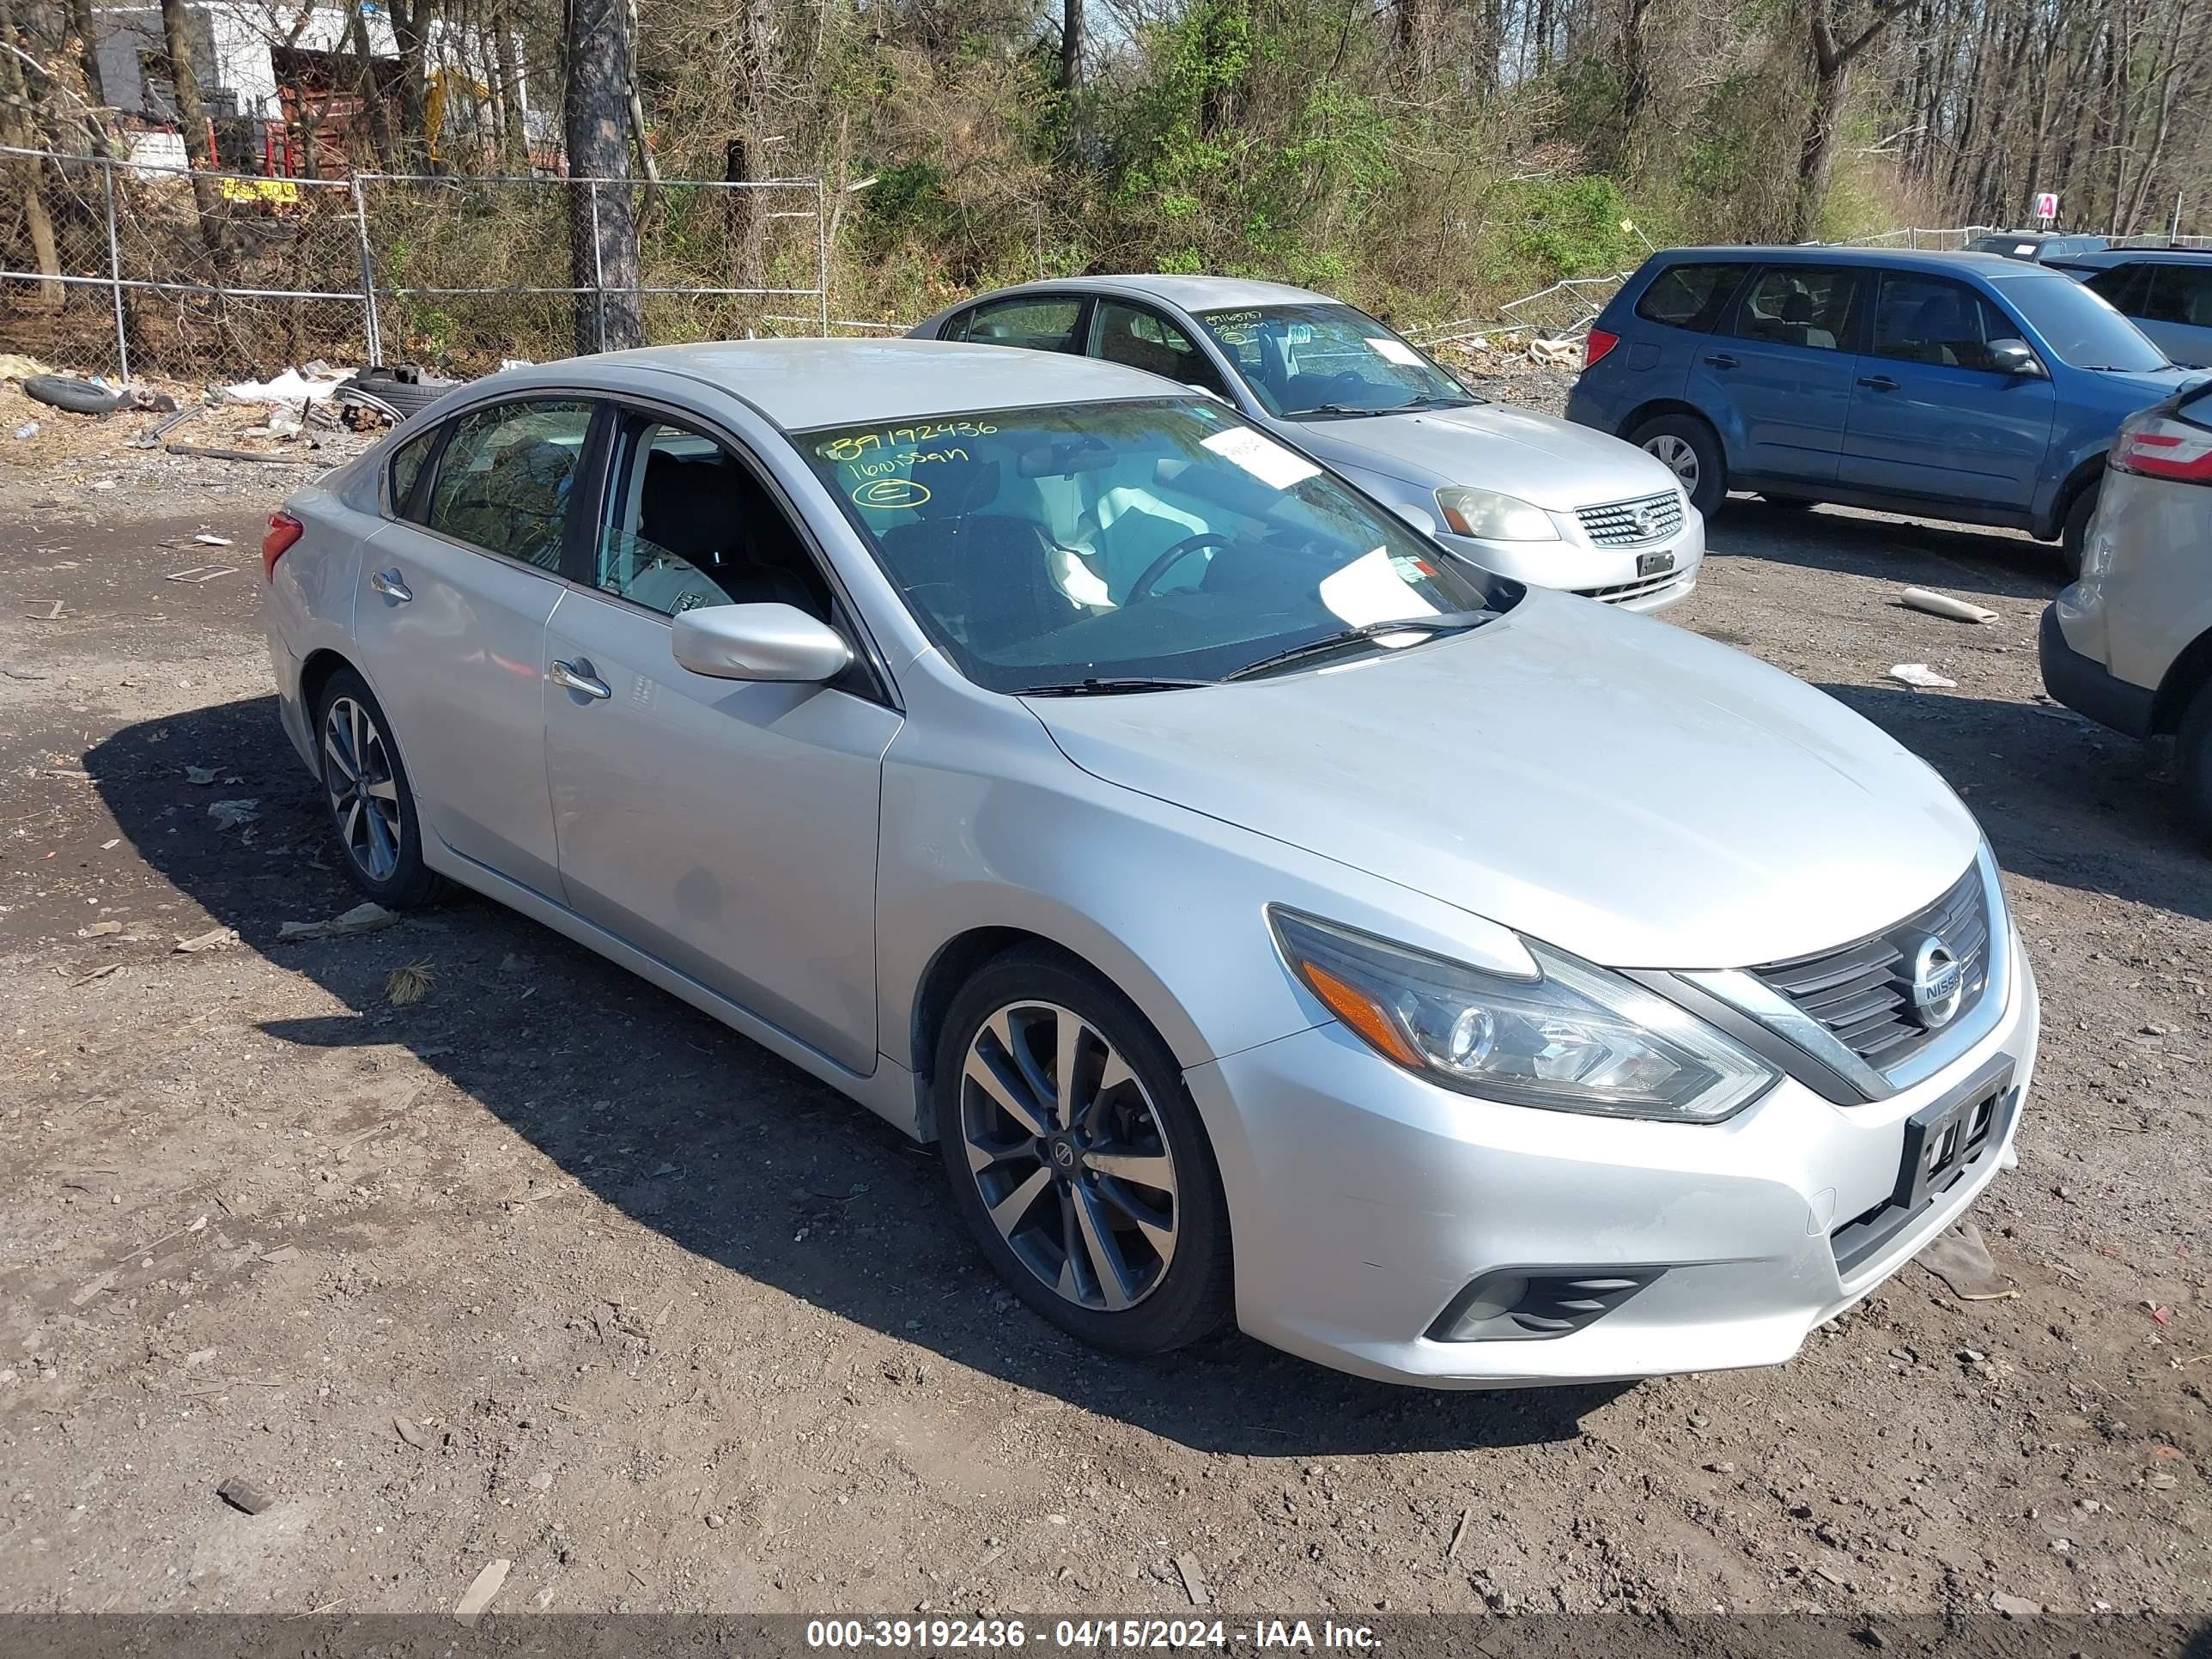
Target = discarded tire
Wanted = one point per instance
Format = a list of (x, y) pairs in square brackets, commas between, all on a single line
[(65, 392), (396, 391)]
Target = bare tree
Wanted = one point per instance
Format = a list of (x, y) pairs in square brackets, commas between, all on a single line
[(1833, 53), (1070, 45), (15, 123), (596, 47)]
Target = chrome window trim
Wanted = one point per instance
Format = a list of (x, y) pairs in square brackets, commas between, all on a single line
[(1749, 995)]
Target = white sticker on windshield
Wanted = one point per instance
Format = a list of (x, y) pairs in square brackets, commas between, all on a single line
[(1395, 351), (1265, 460)]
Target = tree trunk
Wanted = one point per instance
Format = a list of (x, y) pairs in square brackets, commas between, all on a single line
[(602, 244), (1635, 70), (1816, 155), (516, 133), (15, 124), (1415, 24), (370, 89), (191, 116), (1070, 45), (408, 27), (80, 22)]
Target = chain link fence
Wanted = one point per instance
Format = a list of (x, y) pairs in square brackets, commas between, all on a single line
[(206, 275)]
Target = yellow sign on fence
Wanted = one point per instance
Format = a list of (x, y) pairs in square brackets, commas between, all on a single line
[(282, 191)]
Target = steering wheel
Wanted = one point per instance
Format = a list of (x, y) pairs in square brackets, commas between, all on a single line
[(1142, 587)]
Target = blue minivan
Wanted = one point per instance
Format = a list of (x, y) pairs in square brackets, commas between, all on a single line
[(1956, 385)]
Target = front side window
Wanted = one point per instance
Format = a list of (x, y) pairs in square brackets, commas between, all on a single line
[(688, 524), (2121, 287), (2079, 326), (503, 479), (1689, 296), (1103, 543), (1930, 320), (1797, 305), (2180, 294), (1043, 323), (1322, 359), (1142, 338)]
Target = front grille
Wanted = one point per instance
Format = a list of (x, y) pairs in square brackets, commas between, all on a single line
[(1862, 993), (1636, 590), (1629, 524)]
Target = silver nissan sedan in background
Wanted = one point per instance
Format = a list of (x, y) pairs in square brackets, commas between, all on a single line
[(1270, 917), (1526, 494)]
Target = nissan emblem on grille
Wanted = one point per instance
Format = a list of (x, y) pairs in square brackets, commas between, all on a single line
[(1938, 980)]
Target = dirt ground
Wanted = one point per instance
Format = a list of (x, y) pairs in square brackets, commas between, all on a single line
[(544, 1267)]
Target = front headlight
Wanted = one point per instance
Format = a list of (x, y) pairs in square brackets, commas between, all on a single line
[(1573, 1039), (1485, 512)]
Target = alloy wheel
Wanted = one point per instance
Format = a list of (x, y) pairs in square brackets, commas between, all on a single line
[(1678, 457), (1066, 1149), (363, 790)]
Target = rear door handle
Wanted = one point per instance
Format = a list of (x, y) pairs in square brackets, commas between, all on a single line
[(575, 678), (1720, 360), (1879, 383), (387, 582)]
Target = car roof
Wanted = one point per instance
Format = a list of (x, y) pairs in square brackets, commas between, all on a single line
[(1191, 293), (2157, 256), (1994, 266), (799, 384)]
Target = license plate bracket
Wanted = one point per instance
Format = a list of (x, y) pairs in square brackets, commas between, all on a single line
[(1942, 1139), (1654, 564)]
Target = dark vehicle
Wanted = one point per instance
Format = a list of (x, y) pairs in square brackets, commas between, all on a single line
[(2165, 292), (2036, 246), (1954, 385)]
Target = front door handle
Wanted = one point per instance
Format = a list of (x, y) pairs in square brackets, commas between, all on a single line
[(1879, 383), (387, 582), (1720, 360), (575, 678)]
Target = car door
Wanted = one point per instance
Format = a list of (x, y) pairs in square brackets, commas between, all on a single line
[(1038, 322), (2177, 310), (1778, 373), (450, 622), (1145, 338), (725, 827), (1933, 416)]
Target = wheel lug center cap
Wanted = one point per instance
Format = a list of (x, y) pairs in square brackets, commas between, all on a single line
[(1063, 1154)]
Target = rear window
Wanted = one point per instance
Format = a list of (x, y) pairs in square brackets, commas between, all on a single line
[(1688, 296)]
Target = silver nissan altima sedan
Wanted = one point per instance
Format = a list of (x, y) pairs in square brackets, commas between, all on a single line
[(1271, 918)]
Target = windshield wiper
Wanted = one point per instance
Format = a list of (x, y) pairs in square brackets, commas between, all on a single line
[(1108, 687), (1466, 401), (1336, 409), (1447, 622)]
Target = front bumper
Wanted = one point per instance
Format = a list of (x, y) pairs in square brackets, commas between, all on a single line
[(1365, 1200), (1622, 576)]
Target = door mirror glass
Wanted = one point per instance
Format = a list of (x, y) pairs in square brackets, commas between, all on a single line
[(766, 641), (2013, 357)]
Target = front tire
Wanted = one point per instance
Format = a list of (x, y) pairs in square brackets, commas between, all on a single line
[(366, 790), (1078, 1160), (1691, 450), (2193, 762)]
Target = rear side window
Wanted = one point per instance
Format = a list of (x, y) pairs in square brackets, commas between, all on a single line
[(1798, 306), (503, 479), (1688, 296), (2180, 294), (406, 467), (1045, 323), (2121, 287)]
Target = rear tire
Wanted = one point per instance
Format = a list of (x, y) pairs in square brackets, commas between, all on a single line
[(2193, 762), (366, 791), (1130, 1253), (1691, 450), (2074, 539)]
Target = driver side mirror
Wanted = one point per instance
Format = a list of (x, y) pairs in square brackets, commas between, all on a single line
[(2015, 357), (757, 642)]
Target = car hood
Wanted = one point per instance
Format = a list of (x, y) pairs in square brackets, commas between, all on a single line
[(2143, 388), (1552, 463), (1614, 785)]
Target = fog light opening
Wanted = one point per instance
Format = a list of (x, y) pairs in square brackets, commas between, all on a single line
[(1523, 1304)]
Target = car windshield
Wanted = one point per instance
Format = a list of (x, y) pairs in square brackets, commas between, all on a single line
[(2079, 326), (1138, 546), (1322, 360)]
